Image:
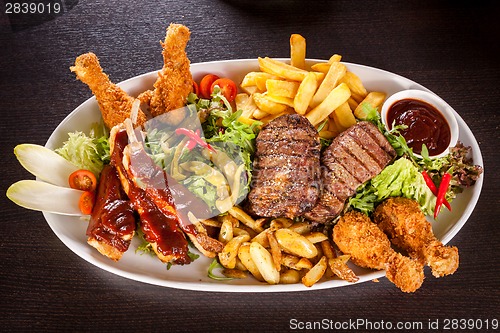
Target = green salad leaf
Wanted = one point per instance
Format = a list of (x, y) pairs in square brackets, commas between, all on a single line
[(90, 152), (211, 274), (400, 179)]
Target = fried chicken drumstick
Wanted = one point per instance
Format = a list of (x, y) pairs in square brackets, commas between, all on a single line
[(405, 224), (114, 103), (356, 235), (174, 82)]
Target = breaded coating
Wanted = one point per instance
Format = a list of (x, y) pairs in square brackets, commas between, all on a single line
[(356, 235), (174, 82), (405, 224), (114, 103)]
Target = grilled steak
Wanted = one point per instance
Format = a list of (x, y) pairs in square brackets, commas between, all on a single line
[(354, 157), (286, 168)]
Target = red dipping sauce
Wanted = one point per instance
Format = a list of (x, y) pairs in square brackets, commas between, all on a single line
[(425, 125)]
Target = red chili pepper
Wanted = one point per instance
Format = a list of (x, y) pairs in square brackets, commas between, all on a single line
[(195, 137), (191, 143), (443, 188), (433, 188)]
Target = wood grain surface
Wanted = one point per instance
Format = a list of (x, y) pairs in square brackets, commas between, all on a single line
[(450, 47)]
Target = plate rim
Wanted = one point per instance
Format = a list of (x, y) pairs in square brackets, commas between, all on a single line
[(217, 286)]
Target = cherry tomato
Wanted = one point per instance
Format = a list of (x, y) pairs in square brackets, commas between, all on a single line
[(196, 89), (227, 87), (83, 180), (206, 85), (86, 202)]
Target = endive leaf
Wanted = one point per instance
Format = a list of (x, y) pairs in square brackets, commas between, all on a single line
[(45, 197), (45, 163)]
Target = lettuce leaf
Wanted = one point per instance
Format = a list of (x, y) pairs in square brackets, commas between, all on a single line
[(90, 152), (400, 179)]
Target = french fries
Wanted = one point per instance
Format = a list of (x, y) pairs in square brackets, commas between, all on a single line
[(332, 98), (375, 99), (298, 51), (282, 88), (335, 73), (335, 98), (327, 89), (305, 93)]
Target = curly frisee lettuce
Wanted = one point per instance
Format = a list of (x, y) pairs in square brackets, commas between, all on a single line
[(90, 152)]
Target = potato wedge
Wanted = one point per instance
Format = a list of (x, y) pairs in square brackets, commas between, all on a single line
[(339, 267), (226, 232), (234, 273), (264, 262), (328, 250), (295, 262), (228, 255), (280, 222), (246, 219), (289, 276), (270, 117), (352, 103), (245, 103), (316, 237), (301, 227), (246, 260), (262, 239), (315, 273), (295, 243), (275, 250), (250, 89)]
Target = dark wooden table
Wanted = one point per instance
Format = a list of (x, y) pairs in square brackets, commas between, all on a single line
[(450, 47)]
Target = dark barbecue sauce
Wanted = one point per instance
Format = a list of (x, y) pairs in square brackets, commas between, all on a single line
[(426, 125), (158, 227), (113, 217)]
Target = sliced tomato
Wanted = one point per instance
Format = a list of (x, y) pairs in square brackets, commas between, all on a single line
[(227, 87), (86, 202), (83, 180), (196, 89), (206, 85)]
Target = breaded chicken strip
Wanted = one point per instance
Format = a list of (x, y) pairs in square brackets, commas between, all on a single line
[(114, 103), (405, 224), (356, 235), (112, 222), (175, 82)]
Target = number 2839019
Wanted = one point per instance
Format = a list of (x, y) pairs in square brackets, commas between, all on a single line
[(32, 8)]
